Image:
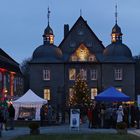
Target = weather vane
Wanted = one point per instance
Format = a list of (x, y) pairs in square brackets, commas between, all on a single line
[(49, 15), (80, 12), (116, 13)]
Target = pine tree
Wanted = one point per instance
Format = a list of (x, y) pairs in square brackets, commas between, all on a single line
[(81, 94)]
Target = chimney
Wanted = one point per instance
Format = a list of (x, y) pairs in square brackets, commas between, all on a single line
[(66, 29)]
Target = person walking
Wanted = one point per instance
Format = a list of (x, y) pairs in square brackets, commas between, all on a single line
[(11, 111)]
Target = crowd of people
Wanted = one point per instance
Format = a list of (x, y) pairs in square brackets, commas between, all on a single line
[(107, 116), (7, 114)]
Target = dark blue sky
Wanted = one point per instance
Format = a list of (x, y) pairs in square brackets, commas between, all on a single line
[(22, 22)]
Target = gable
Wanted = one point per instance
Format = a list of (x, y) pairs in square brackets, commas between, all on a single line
[(82, 54), (81, 33)]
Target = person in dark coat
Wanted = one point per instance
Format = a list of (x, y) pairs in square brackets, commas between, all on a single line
[(1, 121), (11, 111), (138, 117), (42, 115)]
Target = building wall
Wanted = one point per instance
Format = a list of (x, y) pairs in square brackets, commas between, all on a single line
[(55, 84), (127, 83)]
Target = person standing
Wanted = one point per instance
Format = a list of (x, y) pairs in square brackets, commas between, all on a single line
[(120, 114), (11, 111), (5, 114), (89, 115), (1, 122), (138, 117)]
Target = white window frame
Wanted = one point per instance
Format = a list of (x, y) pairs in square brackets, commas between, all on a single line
[(118, 74), (93, 74), (71, 92), (46, 74), (94, 92), (83, 74), (73, 77), (47, 94)]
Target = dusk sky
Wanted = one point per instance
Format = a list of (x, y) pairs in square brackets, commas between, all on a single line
[(22, 22)]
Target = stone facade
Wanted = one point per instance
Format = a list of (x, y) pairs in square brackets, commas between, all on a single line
[(81, 50)]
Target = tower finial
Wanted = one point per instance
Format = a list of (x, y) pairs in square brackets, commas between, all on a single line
[(48, 15), (116, 13), (80, 12)]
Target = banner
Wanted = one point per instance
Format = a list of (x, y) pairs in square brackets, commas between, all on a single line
[(138, 100), (74, 118)]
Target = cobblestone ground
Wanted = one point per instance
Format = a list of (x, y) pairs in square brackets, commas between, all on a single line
[(7, 135)]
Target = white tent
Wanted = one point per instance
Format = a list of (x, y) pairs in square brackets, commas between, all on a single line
[(29, 100)]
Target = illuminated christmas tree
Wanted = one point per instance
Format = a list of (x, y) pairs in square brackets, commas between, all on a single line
[(81, 94)]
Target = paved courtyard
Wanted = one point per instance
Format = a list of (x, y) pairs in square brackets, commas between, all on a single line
[(18, 131)]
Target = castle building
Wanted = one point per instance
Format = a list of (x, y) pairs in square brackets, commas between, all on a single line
[(11, 78), (53, 69)]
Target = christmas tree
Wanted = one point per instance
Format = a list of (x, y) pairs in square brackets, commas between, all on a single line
[(81, 94)]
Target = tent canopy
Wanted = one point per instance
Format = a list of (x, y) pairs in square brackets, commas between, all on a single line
[(113, 95), (30, 98)]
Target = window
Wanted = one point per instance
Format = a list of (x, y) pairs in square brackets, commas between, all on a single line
[(72, 44), (92, 58), (93, 93), (89, 44), (83, 74), (47, 95), (118, 74), (51, 39), (70, 94), (82, 53), (72, 74), (74, 58), (119, 89), (46, 74), (93, 74)]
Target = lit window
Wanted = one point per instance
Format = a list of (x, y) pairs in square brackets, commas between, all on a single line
[(74, 58), (83, 74), (72, 74), (51, 39), (46, 74), (93, 74), (93, 93), (119, 89), (118, 74), (70, 94), (47, 95), (82, 53)]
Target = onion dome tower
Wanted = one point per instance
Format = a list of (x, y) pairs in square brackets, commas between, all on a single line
[(117, 51), (48, 36), (48, 52)]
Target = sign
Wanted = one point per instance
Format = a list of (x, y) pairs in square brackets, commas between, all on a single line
[(74, 118), (138, 100)]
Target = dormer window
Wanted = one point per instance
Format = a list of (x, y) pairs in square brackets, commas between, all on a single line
[(92, 58), (74, 58), (82, 53)]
